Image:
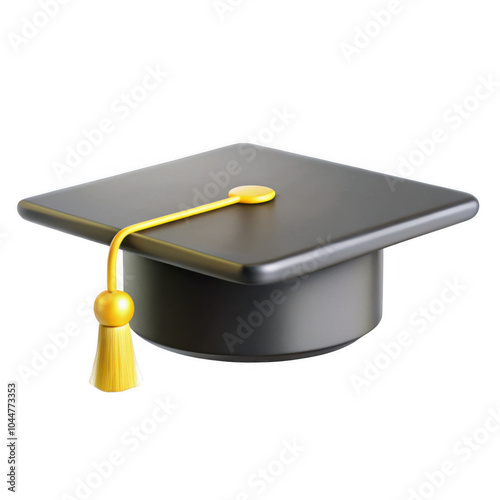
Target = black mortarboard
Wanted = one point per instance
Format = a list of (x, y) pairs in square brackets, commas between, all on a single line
[(297, 276)]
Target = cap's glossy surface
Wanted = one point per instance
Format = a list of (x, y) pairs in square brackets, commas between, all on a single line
[(324, 213)]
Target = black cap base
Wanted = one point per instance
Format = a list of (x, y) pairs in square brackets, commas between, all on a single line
[(203, 316)]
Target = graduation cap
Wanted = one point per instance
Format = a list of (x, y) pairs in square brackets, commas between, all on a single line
[(243, 253)]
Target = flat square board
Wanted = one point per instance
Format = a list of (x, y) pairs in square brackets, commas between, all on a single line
[(324, 213)]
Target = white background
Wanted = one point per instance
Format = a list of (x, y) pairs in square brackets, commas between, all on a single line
[(229, 71)]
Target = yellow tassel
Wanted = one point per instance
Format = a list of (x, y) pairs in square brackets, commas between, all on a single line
[(114, 367)]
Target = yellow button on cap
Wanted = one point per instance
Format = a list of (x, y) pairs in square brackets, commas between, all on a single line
[(253, 194)]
